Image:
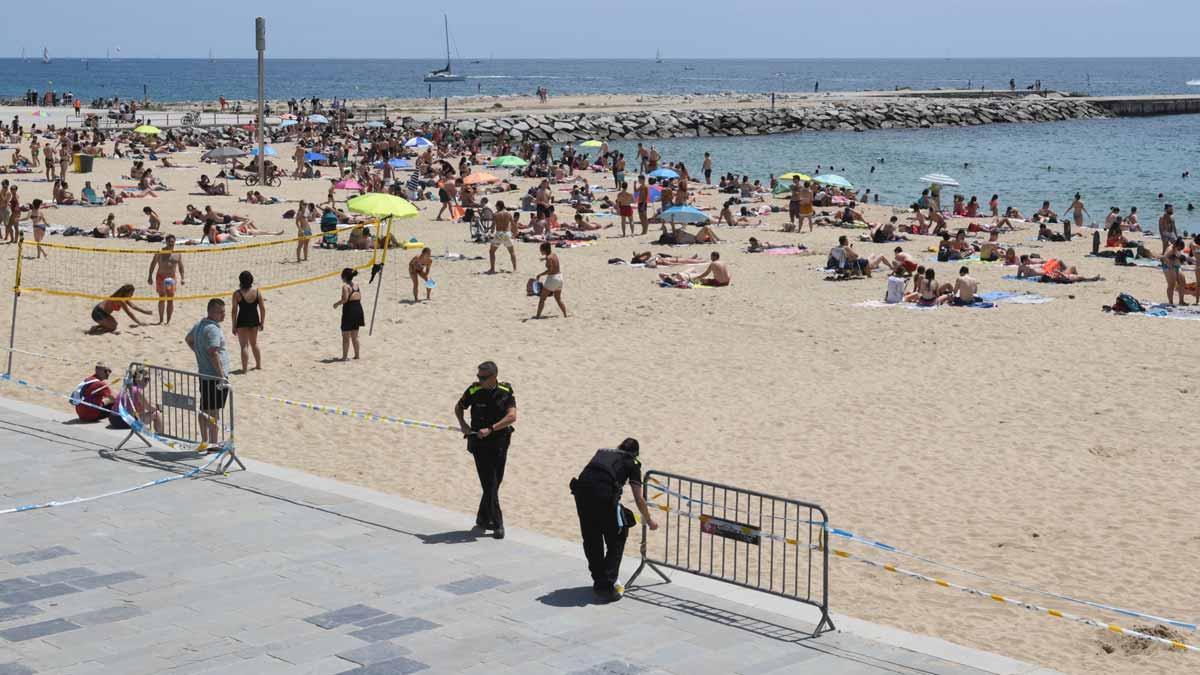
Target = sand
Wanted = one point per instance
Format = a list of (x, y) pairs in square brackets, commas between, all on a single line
[(1051, 444)]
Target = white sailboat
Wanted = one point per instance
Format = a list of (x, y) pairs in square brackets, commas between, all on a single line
[(45, 55), (658, 56), (210, 57), (445, 74)]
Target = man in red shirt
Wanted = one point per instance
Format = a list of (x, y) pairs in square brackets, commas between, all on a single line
[(93, 394)]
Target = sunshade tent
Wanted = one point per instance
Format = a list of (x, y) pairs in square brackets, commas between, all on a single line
[(655, 193), (318, 119), (395, 163), (268, 151), (663, 173), (685, 214), (148, 129), (938, 179), (477, 177), (834, 180), (314, 157), (384, 207), (287, 123), (509, 161), (418, 142)]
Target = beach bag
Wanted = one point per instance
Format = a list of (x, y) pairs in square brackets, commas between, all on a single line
[(1126, 303)]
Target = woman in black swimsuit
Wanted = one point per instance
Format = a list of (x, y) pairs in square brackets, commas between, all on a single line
[(249, 317), (352, 311)]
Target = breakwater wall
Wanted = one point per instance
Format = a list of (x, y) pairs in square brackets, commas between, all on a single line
[(832, 116)]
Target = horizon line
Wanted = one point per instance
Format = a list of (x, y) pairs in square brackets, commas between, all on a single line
[(34, 58)]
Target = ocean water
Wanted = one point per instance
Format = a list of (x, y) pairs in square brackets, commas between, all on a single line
[(1113, 162), (197, 79)]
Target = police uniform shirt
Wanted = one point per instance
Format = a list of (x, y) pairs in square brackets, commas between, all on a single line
[(608, 472), (488, 406)]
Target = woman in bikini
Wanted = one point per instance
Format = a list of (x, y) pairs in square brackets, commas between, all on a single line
[(249, 318), (352, 312), (303, 231), (1172, 266), (38, 220), (418, 269), (102, 313)]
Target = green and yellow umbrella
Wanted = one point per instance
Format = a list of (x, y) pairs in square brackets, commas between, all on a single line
[(509, 161), (148, 130), (591, 144), (381, 205), (794, 174)]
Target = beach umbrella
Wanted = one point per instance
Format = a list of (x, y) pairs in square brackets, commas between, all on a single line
[(382, 206), (663, 173), (318, 119), (655, 193), (591, 144), (314, 157), (794, 174), (782, 189), (348, 184), (375, 124), (834, 180), (287, 123), (268, 151), (509, 161), (418, 142), (938, 179), (148, 130), (287, 116), (223, 154), (395, 163), (477, 177), (685, 214)]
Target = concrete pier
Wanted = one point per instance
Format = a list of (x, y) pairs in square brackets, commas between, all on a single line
[(1143, 106)]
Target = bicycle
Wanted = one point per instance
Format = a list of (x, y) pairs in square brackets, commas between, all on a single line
[(271, 181)]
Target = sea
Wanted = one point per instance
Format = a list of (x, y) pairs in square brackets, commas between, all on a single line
[(1117, 162)]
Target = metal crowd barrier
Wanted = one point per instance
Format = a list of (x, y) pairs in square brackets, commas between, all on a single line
[(742, 537), (177, 395)]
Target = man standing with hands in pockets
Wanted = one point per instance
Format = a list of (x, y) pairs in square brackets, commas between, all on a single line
[(493, 412)]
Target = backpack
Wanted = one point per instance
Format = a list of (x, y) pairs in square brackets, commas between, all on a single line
[(1126, 303)]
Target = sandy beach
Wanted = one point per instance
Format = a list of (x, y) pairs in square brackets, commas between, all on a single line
[(1049, 444)]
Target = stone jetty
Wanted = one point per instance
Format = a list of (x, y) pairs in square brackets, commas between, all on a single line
[(831, 116)]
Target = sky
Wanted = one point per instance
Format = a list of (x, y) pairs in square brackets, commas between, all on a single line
[(609, 29)]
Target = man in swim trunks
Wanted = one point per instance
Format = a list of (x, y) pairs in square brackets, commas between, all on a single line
[(965, 288), (1166, 227), (553, 283), (505, 228), (794, 203), (169, 266), (718, 270), (804, 199), (902, 261), (643, 204), (625, 208)]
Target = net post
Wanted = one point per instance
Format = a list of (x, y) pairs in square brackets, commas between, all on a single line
[(386, 239), (12, 326)]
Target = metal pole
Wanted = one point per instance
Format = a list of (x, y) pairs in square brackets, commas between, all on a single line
[(12, 327), (446, 107), (387, 239), (260, 43)]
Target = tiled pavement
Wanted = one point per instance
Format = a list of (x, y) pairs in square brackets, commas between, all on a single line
[(255, 574)]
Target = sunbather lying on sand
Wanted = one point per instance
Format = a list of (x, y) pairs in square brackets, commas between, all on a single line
[(1052, 271), (678, 235), (656, 259)]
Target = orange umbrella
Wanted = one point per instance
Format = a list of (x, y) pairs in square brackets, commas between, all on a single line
[(480, 177)]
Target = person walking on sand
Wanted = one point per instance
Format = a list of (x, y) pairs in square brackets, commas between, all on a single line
[(1166, 227), (493, 409), (625, 208), (1077, 210), (502, 220), (553, 283), (707, 166), (352, 312), (303, 231), (37, 220), (166, 271), (249, 318), (418, 269)]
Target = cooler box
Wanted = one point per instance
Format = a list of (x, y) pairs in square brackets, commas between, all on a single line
[(83, 163)]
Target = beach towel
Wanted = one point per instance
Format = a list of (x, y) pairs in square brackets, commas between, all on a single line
[(1013, 277), (1169, 312), (877, 304), (1014, 298)]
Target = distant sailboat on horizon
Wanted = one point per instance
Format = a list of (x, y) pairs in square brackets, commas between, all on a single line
[(1193, 83), (45, 56), (210, 56), (23, 57), (658, 56), (445, 74)]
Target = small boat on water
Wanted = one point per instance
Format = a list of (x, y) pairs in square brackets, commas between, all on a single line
[(658, 56), (1193, 83), (445, 74), (45, 55)]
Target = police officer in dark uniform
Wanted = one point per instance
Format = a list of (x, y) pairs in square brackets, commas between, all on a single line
[(603, 522), (493, 412)]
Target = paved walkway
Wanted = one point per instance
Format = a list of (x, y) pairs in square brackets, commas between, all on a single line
[(273, 571)]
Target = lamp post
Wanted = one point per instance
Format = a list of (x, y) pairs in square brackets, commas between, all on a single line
[(260, 43)]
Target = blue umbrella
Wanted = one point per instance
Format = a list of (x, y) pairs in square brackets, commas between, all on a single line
[(685, 214), (375, 124), (663, 173), (418, 142), (834, 180), (287, 123), (396, 163), (319, 119), (314, 157), (269, 152)]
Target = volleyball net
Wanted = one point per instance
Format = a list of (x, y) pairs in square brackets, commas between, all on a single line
[(188, 272)]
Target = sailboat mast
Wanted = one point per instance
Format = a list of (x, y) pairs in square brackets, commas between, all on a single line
[(446, 26)]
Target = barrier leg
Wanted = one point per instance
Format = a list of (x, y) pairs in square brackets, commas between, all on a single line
[(121, 445), (826, 623)]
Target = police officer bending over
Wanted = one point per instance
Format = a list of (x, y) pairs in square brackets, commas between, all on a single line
[(603, 522), (493, 412)]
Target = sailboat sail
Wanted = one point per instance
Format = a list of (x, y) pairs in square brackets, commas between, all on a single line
[(45, 55), (444, 74)]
